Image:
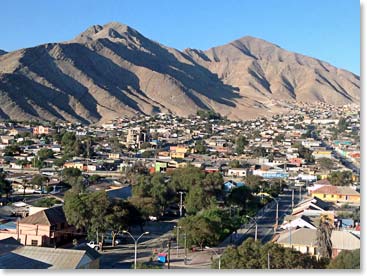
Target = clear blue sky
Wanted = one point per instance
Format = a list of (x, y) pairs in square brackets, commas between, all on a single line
[(326, 29)]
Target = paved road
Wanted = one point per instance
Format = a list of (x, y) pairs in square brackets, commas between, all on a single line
[(122, 256), (265, 220)]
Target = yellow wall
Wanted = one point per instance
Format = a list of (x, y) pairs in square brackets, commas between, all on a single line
[(340, 198)]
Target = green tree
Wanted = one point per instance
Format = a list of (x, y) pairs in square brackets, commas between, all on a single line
[(5, 185), (341, 178), (325, 163), (200, 147), (253, 254), (195, 200), (39, 180), (346, 260), (87, 211), (240, 196), (234, 164), (12, 150), (241, 142), (45, 154)]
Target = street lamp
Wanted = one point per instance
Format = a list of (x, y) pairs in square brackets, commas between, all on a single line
[(255, 226), (207, 247), (136, 244), (181, 193), (178, 236)]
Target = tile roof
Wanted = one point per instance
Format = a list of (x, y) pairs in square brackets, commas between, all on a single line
[(50, 216), (337, 190)]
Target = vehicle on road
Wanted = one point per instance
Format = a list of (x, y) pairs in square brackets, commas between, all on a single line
[(93, 245)]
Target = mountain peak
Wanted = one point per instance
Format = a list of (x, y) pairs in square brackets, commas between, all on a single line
[(2, 52), (112, 30)]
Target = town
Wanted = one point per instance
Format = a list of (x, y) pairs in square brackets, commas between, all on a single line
[(168, 192)]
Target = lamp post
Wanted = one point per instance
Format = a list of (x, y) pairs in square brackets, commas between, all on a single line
[(255, 226), (177, 237), (207, 247), (181, 193), (136, 244), (185, 261)]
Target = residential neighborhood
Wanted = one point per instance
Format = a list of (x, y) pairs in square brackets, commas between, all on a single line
[(89, 192)]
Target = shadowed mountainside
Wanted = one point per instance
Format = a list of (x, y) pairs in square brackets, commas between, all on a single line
[(113, 70)]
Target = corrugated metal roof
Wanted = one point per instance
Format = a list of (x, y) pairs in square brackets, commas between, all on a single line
[(29, 257)]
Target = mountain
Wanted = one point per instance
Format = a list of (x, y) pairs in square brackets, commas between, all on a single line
[(112, 70), (2, 52)]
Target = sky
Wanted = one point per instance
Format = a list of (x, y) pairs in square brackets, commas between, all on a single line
[(325, 29)]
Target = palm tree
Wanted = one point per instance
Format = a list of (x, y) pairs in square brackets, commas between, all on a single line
[(323, 234)]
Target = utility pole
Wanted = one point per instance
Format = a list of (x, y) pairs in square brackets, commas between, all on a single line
[(268, 260), (292, 198), (169, 252), (185, 261), (177, 238)]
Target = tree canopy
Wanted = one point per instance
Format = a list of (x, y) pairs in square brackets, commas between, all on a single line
[(253, 254)]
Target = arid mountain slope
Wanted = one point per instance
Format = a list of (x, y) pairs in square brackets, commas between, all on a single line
[(113, 70)]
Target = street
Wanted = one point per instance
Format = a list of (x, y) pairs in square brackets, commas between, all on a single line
[(122, 256)]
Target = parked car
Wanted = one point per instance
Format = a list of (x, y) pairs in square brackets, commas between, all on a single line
[(153, 218), (93, 244)]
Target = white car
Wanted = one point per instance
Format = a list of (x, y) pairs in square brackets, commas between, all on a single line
[(93, 244), (152, 218)]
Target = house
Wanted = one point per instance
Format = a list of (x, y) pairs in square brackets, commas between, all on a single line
[(44, 228), (19, 130), (314, 207), (300, 222), (39, 130), (338, 194), (304, 240), (237, 172), (30, 257)]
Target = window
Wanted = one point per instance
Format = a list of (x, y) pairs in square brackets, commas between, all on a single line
[(332, 196), (307, 249), (34, 242), (324, 195), (62, 225), (340, 196)]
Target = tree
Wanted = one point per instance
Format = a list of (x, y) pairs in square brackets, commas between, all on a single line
[(213, 183), (346, 260), (324, 237), (325, 163), (253, 254), (39, 180), (259, 152), (5, 185), (254, 181), (200, 147), (240, 196), (341, 178), (44, 154), (241, 142), (12, 150), (117, 218), (195, 200), (87, 211), (234, 164), (199, 231)]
